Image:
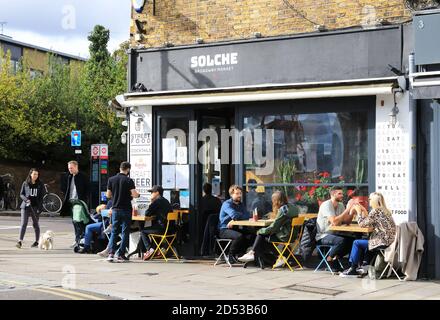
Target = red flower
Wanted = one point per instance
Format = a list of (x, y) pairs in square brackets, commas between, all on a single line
[(326, 174), (316, 181), (302, 188), (298, 196), (312, 191)]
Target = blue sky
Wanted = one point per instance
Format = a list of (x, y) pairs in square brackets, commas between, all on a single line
[(63, 25)]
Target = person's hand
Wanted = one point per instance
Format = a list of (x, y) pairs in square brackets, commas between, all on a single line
[(230, 224), (110, 213)]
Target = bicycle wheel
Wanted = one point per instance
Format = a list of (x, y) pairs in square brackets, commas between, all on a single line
[(52, 203), (12, 199)]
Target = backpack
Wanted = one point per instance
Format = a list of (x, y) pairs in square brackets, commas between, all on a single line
[(308, 241)]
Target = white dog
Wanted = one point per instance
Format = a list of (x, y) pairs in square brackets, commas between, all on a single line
[(46, 240)]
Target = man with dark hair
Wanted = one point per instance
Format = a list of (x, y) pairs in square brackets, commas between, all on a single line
[(233, 209), (159, 207), (209, 205), (121, 190), (333, 213)]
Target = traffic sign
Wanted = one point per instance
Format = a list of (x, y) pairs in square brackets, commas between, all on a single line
[(75, 138), (95, 150)]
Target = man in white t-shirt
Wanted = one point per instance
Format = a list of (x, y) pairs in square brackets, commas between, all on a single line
[(333, 213)]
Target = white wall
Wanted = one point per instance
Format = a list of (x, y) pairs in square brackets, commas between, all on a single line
[(392, 155)]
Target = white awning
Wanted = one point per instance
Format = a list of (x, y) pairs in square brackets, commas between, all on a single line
[(149, 99)]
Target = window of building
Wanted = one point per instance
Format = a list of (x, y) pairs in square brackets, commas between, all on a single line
[(312, 152)]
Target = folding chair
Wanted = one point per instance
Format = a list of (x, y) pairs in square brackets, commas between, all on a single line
[(289, 246), (166, 239), (324, 250), (223, 249), (389, 265)]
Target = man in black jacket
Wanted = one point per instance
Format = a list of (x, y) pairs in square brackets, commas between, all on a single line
[(159, 207), (74, 185)]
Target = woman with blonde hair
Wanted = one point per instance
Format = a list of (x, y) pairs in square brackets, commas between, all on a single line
[(384, 231), (278, 230)]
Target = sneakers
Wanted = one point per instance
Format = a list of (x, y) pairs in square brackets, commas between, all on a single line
[(18, 245), (121, 259), (111, 258), (336, 267), (103, 253), (248, 257), (232, 259), (279, 264), (34, 245), (148, 254), (363, 270), (84, 250), (350, 272)]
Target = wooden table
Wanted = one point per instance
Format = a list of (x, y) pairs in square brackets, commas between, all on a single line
[(142, 218), (308, 215), (252, 223), (351, 228)]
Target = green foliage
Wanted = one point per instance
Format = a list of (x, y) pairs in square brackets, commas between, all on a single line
[(37, 114)]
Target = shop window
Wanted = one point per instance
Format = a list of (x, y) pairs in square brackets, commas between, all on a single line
[(311, 153)]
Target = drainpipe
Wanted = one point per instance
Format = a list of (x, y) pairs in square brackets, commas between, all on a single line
[(412, 143)]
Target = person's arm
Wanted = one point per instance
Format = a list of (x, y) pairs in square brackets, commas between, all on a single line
[(151, 209), (275, 226), (365, 220), (344, 217), (23, 192)]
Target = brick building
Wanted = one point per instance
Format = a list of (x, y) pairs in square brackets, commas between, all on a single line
[(330, 78)]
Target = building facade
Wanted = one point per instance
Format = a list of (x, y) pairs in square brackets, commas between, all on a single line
[(276, 95), (36, 57)]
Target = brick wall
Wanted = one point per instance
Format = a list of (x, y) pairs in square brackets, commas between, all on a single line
[(183, 21)]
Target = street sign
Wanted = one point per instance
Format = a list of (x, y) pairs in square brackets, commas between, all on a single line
[(75, 138), (95, 150)]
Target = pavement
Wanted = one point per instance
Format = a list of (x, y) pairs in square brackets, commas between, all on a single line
[(31, 273)]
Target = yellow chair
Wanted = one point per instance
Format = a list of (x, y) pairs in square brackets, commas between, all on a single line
[(166, 239), (289, 245)]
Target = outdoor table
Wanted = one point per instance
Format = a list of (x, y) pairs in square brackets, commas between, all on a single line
[(141, 219), (308, 215), (351, 228), (252, 223)]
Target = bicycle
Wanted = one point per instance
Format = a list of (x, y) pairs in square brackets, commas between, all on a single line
[(9, 199), (51, 202)]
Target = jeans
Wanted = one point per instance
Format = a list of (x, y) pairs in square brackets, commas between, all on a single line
[(340, 245), (121, 220), (239, 240), (25, 214), (144, 235), (359, 249), (90, 230)]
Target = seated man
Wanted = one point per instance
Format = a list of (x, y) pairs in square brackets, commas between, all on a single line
[(159, 207), (233, 209), (96, 228), (332, 212)]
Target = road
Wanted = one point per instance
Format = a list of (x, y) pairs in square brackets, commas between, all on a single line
[(31, 273)]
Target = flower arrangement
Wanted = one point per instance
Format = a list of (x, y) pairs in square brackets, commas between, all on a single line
[(318, 193)]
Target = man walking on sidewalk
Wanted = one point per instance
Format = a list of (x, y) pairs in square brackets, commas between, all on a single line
[(121, 189)]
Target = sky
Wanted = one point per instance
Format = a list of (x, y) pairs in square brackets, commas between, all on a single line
[(63, 25)]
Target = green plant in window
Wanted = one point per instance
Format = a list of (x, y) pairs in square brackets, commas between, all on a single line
[(286, 171)]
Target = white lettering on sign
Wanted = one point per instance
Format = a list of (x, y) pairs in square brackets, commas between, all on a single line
[(217, 60)]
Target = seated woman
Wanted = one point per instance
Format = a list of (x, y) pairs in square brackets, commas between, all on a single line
[(279, 230), (383, 235)]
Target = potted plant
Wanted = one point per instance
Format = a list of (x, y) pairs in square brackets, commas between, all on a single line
[(286, 171), (357, 193)]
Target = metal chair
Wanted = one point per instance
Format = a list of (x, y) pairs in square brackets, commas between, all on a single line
[(290, 246), (324, 250), (389, 265), (165, 239), (223, 249)]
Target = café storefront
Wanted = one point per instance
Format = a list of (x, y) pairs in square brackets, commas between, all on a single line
[(297, 113)]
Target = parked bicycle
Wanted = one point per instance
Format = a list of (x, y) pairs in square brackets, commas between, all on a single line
[(51, 202), (9, 199)]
